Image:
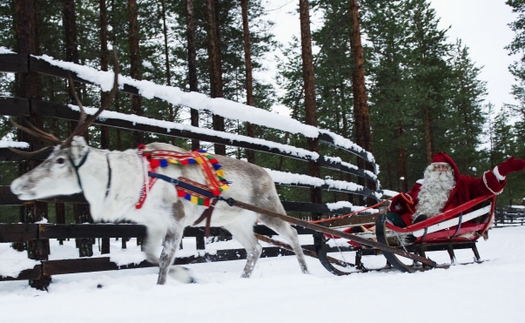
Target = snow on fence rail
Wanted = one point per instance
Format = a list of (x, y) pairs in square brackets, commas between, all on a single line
[(11, 62)]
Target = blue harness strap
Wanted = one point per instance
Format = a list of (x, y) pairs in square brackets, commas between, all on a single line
[(187, 186)]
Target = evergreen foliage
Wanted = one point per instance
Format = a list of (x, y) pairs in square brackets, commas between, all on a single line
[(424, 92)]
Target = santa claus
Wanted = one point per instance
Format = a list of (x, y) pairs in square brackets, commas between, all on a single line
[(444, 188)]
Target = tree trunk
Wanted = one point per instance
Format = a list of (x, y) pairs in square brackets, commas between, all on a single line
[(428, 133), (192, 66), (361, 113), (314, 169), (136, 101), (81, 211), (104, 96), (402, 163), (104, 64), (216, 68), (250, 128), (167, 59), (112, 38), (28, 86)]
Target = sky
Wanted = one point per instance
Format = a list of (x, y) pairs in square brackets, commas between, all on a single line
[(482, 25)]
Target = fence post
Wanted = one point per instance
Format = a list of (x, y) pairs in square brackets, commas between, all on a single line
[(37, 249), (82, 215)]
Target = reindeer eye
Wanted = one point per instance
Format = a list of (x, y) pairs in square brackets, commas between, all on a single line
[(61, 160)]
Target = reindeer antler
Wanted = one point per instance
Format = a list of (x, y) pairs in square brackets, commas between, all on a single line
[(38, 133), (85, 122)]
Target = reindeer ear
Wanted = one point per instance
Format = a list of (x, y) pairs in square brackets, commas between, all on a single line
[(79, 148)]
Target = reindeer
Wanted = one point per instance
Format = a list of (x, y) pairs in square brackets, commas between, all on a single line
[(113, 182)]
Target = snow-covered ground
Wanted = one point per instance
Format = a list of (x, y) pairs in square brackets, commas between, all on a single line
[(493, 291)]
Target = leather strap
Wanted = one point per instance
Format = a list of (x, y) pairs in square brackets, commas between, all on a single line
[(207, 215)]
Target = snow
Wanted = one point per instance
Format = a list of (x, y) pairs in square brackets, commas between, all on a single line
[(4, 50), (492, 291), (13, 144)]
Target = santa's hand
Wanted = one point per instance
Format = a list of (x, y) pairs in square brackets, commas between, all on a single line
[(401, 201), (407, 198), (510, 165)]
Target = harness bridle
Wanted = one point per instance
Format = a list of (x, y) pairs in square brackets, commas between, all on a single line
[(82, 162)]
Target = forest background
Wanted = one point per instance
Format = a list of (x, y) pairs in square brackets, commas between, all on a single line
[(423, 93)]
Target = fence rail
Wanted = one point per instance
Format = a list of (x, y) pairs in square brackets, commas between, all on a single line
[(33, 232), (509, 215)]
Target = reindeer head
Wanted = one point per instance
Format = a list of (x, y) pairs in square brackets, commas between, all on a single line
[(58, 174)]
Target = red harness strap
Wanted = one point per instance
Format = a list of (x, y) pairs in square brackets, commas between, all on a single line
[(146, 187)]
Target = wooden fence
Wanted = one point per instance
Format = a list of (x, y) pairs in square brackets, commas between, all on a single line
[(509, 216), (16, 63)]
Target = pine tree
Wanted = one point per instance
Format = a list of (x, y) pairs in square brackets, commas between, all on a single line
[(309, 98), (333, 68), (517, 46), (387, 27), (430, 75), (505, 146), (464, 138), (231, 46), (250, 128)]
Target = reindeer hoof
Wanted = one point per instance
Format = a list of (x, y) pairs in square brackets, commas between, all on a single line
[(181, 274)]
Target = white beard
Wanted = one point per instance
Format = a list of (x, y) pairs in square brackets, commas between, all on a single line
[(434, 192)]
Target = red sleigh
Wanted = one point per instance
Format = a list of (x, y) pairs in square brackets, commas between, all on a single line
[(458, 228)]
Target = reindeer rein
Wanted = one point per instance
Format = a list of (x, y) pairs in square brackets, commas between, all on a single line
[(76, 167), (108, 185)]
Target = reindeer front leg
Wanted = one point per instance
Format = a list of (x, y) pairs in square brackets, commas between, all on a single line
[(169, 247)]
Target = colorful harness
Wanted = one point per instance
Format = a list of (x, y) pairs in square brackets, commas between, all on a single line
[(197, 193)]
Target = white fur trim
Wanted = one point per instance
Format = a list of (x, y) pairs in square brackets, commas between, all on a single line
[(487, 185), (441, 163), (500, 177)]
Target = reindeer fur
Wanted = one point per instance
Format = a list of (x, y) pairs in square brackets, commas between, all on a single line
[(163, 213)]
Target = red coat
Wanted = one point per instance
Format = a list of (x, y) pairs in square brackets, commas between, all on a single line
[(466, 188)]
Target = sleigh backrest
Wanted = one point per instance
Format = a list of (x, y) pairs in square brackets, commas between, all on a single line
[(473, 216)]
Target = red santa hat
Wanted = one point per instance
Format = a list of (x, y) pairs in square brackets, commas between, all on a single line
[(441, 157)]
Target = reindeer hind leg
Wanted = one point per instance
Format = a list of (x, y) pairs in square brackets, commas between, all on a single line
[(289, 234), (244, 235)]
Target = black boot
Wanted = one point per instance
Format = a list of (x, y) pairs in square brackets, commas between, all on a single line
[(421, 217)]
